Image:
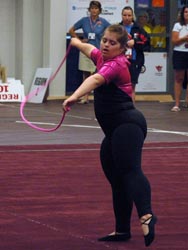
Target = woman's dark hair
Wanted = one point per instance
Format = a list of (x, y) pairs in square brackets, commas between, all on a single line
[(122, 35), (181, 16), (95, 4)]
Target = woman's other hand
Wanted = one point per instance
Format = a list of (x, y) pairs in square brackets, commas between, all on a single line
[(68, 103)]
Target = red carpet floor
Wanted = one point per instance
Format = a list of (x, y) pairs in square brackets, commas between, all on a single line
[(55, 197)]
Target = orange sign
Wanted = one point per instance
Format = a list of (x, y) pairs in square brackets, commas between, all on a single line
[(158, 3)]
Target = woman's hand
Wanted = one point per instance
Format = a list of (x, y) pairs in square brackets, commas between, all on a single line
[(176, 40), (185, 38), (130, 43), (69, 102)]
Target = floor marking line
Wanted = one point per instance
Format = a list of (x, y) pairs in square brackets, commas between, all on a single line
[(154, 130), (63, 125), (151, 130), (58, 230), (84, 149)]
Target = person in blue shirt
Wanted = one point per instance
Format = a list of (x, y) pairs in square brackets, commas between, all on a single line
[(93, 27)]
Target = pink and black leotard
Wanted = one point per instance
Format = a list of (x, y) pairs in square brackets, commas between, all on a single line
[(112, 101)]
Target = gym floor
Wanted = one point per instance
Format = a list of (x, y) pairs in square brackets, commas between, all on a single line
[(80, 125), (53, 192)]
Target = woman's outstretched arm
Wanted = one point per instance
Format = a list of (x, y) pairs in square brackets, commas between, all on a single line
[(91, 83), (85, 48)]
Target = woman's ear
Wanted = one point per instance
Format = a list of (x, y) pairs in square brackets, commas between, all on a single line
[(123, 49)]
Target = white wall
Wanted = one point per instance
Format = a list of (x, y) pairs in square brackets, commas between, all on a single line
[(33, 34), (18, 40), (55, 15), (32, 40), (7, 38)]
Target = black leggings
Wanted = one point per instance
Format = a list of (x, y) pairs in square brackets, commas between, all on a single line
[(121, 155)]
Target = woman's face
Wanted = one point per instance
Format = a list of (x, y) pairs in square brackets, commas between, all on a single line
[(142, 20), (110, 47), (94, 11), (127, 17)]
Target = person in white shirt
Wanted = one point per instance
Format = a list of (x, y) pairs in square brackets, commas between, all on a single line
[(180, 55)]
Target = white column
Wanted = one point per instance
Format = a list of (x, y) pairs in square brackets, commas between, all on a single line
[(54, 45), (32, 40), (41, 41)]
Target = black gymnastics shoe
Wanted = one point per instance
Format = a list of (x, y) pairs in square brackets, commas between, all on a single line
[(116, 237), (151, 235)]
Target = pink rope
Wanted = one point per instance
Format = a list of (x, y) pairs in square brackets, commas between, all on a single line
[(23, 103)]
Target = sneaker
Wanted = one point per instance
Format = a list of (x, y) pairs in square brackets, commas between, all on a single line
[(175, 109)]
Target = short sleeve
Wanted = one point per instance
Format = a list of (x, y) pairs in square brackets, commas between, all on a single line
[(177, 27), (109, 71), (95, 55), (78, 24)]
